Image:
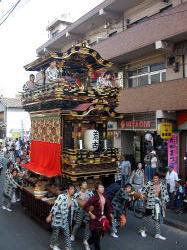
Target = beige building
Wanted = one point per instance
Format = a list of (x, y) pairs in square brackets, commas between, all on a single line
[(147, 42)]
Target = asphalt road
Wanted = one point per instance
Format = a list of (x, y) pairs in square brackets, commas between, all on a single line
[(19, 232)]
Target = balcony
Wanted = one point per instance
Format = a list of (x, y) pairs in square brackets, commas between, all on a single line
[(166, 96), (140, 39)]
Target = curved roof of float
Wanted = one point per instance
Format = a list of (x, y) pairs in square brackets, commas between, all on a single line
[(88, 57)]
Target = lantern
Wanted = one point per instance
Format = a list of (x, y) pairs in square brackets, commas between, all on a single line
[(91, 140), (148, 137)]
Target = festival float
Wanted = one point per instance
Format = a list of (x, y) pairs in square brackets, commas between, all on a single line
[(69, 116)]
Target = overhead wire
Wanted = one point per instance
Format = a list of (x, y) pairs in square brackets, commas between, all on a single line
[(9, 12)]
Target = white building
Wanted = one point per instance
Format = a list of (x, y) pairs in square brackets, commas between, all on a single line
[(14, 120)]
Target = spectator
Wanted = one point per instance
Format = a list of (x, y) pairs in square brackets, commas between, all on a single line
[(179, 197), (171, 178), (154, 163), (125, 171), (138, 178), (147, 161), (2, 154), (17, 147)]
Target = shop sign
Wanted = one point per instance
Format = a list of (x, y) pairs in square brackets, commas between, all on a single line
[(138, 122), (173, 151), (166, 130), (91, 139), (135, 124)]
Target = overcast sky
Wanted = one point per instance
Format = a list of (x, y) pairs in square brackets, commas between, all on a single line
[(25, 30)]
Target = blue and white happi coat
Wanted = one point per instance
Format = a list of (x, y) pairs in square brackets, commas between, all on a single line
[(60, 211)]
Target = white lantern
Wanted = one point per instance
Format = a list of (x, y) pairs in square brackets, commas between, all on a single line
[(148, 137), (91, 139)]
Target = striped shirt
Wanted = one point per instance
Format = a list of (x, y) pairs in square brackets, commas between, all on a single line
[(2, 155), (10, 184)]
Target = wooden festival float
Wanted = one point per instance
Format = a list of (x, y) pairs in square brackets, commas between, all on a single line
[(69, 117)]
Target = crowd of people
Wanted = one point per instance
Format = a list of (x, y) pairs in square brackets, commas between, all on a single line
[(177, 189), (99, 211), (106, 208), (13, 153), (102, 208)]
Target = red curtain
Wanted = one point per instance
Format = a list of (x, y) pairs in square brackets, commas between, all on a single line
[(44, 158)]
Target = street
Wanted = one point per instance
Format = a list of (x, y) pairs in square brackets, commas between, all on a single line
[(19, 232)]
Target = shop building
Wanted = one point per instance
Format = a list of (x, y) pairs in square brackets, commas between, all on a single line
[(146, 41)]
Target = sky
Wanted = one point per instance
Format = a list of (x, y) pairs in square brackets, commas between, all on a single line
[(25, 30)]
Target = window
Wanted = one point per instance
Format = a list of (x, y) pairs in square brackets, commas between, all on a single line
[(151, 74)]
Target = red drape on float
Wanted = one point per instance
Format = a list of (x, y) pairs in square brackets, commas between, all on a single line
[(44, 158)]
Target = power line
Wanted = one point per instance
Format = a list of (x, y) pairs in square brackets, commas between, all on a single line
[(9, 12), (6, 12)]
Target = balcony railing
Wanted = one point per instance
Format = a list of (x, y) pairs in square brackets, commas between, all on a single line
[(63, 91)]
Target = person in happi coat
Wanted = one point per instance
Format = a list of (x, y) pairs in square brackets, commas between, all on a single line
[(156, 197), (100, 210), (61, 216), (10, 185), (82, 196), (2, 155), (119, 203)]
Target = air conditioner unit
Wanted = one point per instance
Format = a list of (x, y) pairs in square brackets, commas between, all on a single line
[(160, 45)]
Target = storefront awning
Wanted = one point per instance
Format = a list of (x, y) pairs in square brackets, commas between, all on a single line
[(44, 159)]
